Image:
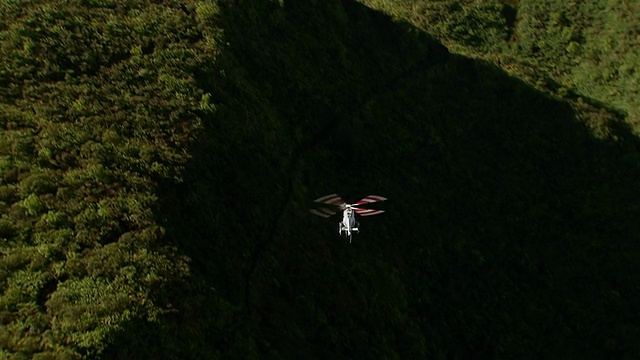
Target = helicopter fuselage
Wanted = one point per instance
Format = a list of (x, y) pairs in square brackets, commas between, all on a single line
[(348, 226)]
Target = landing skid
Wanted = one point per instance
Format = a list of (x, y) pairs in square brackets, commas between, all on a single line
[(349, 235)]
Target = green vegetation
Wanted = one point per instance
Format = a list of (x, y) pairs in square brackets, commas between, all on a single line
[(157, 159), (98, 104), (585, 48)]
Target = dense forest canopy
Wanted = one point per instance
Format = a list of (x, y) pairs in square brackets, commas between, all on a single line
[(99, 102), (157, 159)]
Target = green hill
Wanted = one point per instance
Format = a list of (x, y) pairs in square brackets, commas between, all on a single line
[(566, 48), (158, 159)]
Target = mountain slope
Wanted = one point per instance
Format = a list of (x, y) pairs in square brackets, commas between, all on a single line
[(170, 221)]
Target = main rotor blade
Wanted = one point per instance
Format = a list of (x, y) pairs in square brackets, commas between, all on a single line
[(328, 205), (333, 200), (367, 212), (324, 212), (371, 199)]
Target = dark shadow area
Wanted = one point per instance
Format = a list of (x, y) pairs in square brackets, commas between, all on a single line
[(510, 15), (510, 231)]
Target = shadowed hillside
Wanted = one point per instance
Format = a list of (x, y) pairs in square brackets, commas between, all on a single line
[(510, 230), (158, 159)]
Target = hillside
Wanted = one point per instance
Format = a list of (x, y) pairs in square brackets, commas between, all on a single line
[(569, 49), (156, 178)]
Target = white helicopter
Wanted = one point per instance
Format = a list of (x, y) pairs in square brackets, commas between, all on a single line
[(331, 204)]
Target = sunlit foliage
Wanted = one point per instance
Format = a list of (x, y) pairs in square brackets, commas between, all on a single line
[(588, 48), (98, 101)]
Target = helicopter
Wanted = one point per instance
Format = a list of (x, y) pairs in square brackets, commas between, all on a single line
[(331, 204)]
